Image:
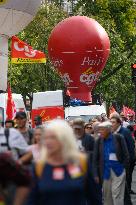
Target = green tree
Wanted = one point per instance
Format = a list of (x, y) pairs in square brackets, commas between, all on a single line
[(29, 78), (118, 17)]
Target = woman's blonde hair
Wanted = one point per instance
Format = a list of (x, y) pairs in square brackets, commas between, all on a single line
[(66, 137)]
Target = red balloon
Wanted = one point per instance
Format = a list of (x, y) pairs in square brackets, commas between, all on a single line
[(79, 48)]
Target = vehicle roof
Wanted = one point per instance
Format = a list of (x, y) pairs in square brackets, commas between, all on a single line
[(92, 110), (48, 98)]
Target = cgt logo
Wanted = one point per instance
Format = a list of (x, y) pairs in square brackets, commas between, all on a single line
[(3, 1), (27, 51), (44, 117), (66, 79), (89, 77)]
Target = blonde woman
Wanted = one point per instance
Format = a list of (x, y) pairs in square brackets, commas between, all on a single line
[(61, 177)]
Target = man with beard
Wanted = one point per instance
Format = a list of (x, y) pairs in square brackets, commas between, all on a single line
[(21, 121)]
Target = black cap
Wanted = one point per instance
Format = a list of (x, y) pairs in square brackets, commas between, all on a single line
[(21, 115)]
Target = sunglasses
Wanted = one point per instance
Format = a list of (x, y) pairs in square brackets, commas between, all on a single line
[(88, 128)]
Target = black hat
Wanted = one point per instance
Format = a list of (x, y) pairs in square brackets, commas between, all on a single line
[(21, 115)]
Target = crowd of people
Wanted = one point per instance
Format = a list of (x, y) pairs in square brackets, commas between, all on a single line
[(67, 162)]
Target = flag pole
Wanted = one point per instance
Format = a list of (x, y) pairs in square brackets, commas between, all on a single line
[(10, 77)]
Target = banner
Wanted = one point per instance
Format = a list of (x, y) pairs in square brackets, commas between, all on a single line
[(48, 113), (127, 111), (21, 53)]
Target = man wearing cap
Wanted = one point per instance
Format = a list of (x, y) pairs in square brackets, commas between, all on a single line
[(85, 142), (21, 121), (12, 141), (109, 161)]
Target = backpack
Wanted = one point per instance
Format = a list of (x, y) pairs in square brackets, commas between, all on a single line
[(6, 133), (6, 144), (30, 133)]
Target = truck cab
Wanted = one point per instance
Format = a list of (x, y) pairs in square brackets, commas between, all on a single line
[(51, 104)]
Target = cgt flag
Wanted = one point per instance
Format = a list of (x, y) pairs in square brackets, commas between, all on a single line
[(23, 53)]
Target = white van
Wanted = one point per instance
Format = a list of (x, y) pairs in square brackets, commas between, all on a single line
[(85, 112), (18, 100), (49, 105)]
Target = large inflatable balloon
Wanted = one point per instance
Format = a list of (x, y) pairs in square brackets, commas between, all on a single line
[(79, 48), (14, 16)]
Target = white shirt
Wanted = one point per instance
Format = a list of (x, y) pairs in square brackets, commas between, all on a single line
[(80, 146), (35, 151), (17, 142), (125, 124)]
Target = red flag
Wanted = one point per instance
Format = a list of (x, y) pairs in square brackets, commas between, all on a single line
[(127, 111), (131, 111), (48, 113), (111, 110), (21, 52), (11, 110)]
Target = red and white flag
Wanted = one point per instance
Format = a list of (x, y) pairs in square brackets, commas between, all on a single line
[(21, 52), (11, 108), (127, 111)]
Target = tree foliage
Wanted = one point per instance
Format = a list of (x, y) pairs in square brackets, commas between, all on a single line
[(29, 78), (118, 17)]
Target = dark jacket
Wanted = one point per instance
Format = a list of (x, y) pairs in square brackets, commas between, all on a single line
[(98, 155), (11, 171), (88, 143), (129, 141)]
